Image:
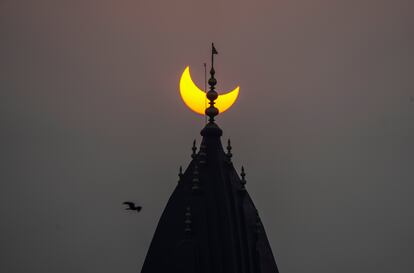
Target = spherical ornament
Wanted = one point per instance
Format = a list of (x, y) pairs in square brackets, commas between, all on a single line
[(212, 95), (212, 111), (212, 81)]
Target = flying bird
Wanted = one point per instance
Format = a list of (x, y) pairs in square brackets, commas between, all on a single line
[(132, 206)]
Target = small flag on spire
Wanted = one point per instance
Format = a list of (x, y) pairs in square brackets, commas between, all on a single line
[(213, 49)]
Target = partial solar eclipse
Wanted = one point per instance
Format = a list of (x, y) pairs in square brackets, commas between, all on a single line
[(196, 100)]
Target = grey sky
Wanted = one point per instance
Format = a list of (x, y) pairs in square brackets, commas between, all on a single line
[(91, 116)]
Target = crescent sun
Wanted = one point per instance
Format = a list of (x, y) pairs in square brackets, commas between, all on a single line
[(196, 100)]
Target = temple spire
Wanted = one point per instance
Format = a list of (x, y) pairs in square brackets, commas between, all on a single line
[(210, 224)]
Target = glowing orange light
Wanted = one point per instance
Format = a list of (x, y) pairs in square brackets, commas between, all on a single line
[(195, 98)]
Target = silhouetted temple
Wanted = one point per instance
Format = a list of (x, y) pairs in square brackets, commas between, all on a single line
[(210, 224)]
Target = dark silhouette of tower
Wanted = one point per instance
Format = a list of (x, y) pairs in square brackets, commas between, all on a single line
[(210, 224)]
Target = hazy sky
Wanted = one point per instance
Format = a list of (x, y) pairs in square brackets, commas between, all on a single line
[(91, 116)]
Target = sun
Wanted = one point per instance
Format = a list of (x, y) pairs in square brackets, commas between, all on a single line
[(196, 100)]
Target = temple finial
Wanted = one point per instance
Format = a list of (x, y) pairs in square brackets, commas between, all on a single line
[(194, 149), (212, 94)]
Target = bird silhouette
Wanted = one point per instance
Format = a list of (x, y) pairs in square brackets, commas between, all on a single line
[(132, 206)]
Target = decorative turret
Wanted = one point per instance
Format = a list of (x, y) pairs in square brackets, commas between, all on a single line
[(180, 174), (229, 154), (243, 179), (194, 149)]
